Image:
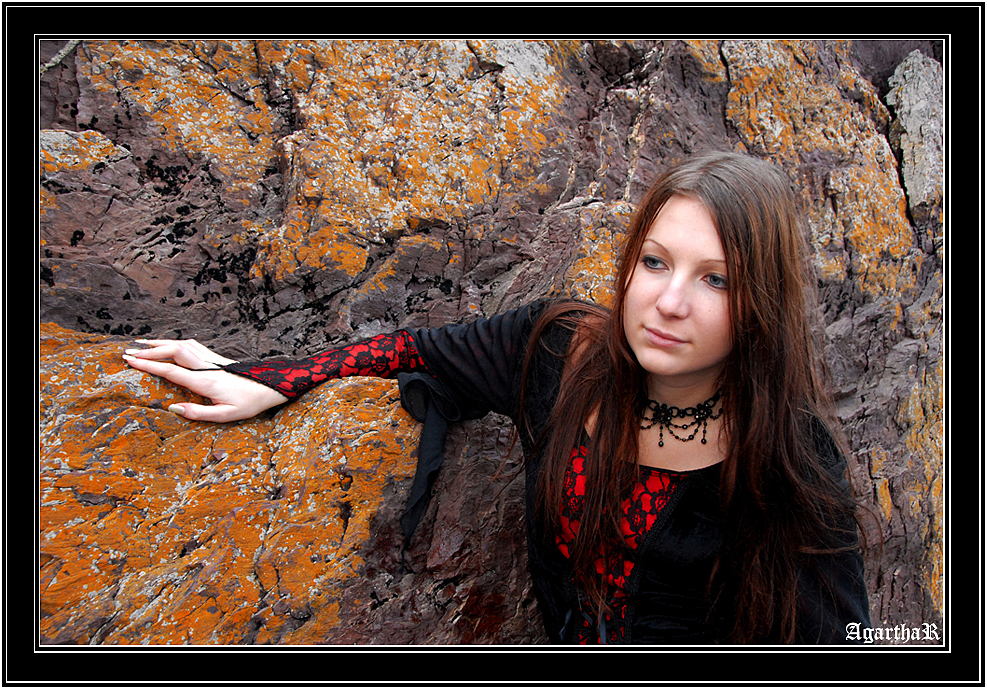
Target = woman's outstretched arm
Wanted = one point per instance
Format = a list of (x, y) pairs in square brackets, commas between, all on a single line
[(241, 390)]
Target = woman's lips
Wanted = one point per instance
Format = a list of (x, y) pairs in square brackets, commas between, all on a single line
[(663, 339)]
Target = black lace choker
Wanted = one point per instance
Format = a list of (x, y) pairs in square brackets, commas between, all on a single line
[(664, 416)]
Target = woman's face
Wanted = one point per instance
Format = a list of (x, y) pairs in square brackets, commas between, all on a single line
[(676, 309)]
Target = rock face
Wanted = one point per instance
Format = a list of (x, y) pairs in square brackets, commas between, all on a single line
[(278, 198), (277, 530)]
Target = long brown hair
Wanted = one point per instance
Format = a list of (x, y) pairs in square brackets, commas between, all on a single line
[(772, 392)]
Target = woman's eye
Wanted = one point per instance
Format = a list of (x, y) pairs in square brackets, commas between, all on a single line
[(717, 281), (652, 262)]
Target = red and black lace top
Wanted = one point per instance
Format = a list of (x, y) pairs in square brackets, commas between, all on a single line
[(381, 357), (650, 494)]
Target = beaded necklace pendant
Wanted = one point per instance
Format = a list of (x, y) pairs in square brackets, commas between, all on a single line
[(666, 416)]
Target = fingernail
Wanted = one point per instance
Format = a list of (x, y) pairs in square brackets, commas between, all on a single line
[(175, 409), (130, 351)]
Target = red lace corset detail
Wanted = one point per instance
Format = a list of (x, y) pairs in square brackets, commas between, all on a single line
[(640, 511), (381, 356)]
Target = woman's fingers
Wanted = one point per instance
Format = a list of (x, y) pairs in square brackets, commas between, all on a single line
[(193, 380), (187, 353), (217, 413), (233, 397), (172, 352), (190, 365)]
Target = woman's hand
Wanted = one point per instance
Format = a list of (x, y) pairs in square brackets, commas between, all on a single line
[(183, 362)]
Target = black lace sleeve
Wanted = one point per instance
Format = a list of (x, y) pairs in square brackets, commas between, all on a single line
[(383, 356)]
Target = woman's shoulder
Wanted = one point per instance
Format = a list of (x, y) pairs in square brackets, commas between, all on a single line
[(566, 326), (577, 315)]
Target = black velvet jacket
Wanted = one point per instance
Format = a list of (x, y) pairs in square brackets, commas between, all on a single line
[(477, 368)]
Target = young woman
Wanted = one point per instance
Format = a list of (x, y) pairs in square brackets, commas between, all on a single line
[(684, 481)]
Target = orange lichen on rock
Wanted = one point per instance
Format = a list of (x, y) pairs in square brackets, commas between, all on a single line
[(708, 54), (590, 274), (154, 529), (205, 98), (922, 414), (879, 240), (71, 151), (62, 150), (400, 129), (782, 105)]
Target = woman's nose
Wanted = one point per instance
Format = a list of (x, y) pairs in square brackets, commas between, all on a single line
[(673, 301)]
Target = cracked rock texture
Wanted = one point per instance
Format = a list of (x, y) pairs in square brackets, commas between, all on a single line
[(278, 197)]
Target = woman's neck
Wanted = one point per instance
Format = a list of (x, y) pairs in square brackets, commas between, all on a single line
[(681, 396)]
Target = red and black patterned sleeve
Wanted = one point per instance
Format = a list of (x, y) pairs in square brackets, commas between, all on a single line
[(382, 356)]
